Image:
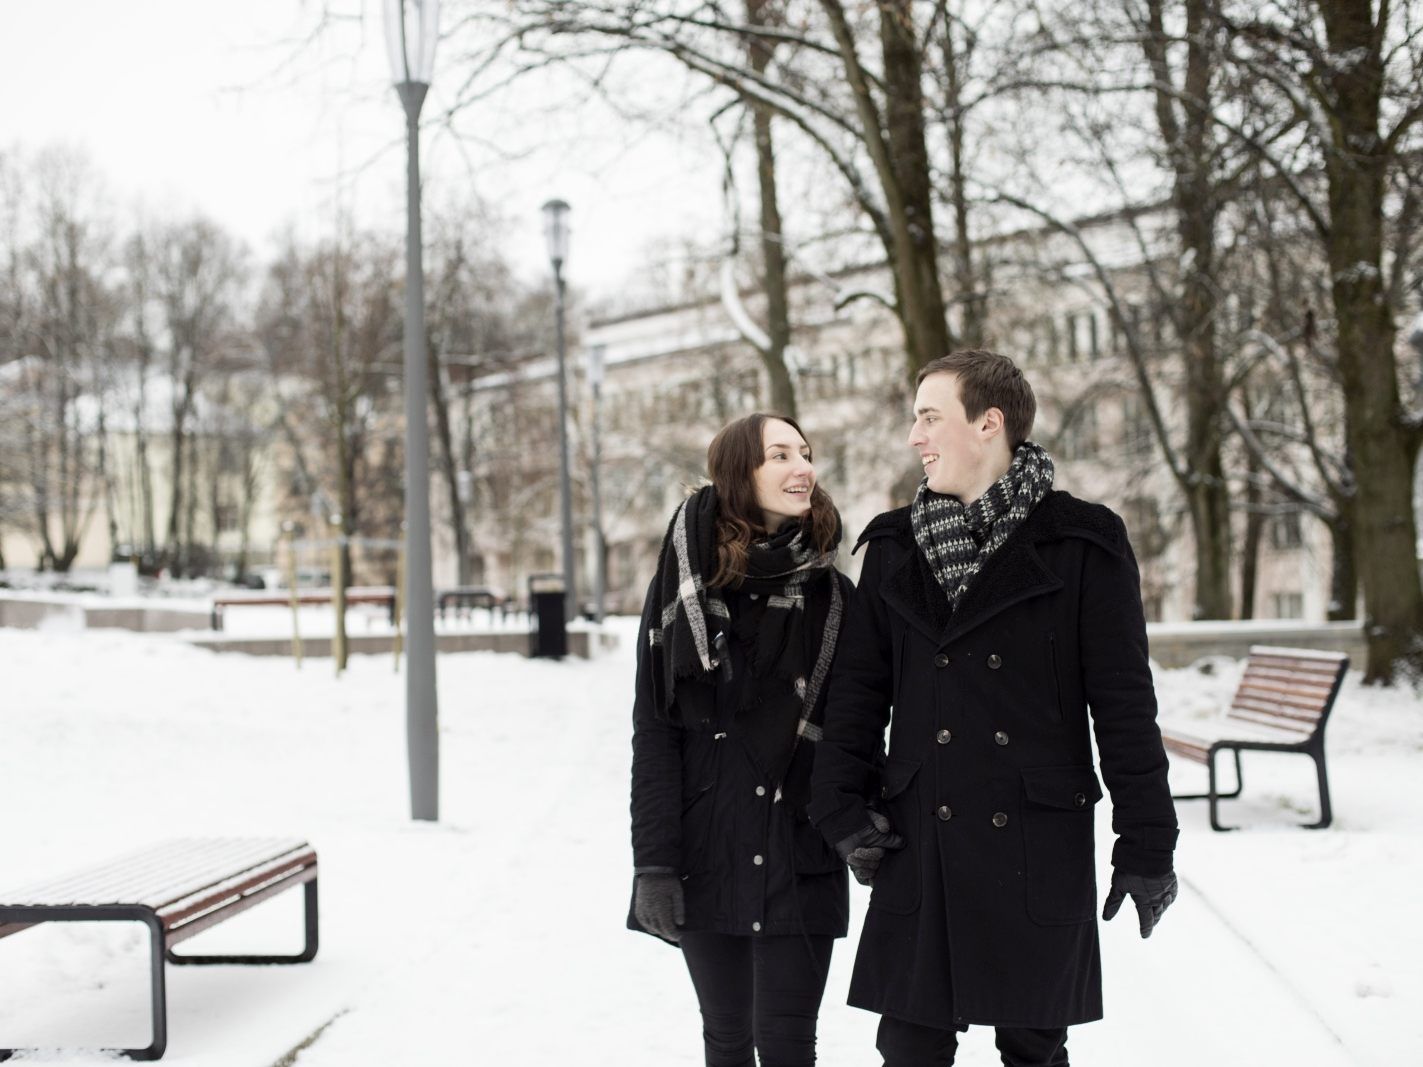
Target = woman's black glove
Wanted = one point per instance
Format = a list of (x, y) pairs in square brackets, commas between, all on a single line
[(864, 849), (1151, 895), (658, 905)]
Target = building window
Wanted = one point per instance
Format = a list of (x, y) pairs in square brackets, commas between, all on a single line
[(1138, 435), (1078, 438), (1285, 533), (1142, 515), (1288, 605), (1151, 607)]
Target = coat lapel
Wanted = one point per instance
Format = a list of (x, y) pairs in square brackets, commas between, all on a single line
[(912, 590), (1011, 575)]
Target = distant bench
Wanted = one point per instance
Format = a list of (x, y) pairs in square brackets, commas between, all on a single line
[(1281, 705), (464, 597), (458, 597), (355, 595), (178, 888)]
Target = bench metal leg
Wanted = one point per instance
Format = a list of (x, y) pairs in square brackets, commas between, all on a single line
[(158, 990), (1213, 793), (307, 954), (1326, 812)]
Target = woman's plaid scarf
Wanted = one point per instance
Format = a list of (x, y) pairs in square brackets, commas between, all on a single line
[(957, 539), (789, 654)]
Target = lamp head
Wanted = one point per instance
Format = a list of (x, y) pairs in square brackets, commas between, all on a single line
[(411, 31), (556, 231)]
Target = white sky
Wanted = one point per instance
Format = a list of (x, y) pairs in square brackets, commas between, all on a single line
[(199, 105)]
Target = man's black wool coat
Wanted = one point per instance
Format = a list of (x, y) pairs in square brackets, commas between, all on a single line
[(988, 915)]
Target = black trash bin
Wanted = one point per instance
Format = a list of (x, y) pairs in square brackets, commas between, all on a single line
[(547, 610)]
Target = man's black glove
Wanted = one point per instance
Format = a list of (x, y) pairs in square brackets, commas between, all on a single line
[(1151, 895), (864, 849), (658, 906)]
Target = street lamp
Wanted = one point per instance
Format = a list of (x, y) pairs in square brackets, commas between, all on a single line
[(556, 233), (411, 32), (600, 571)]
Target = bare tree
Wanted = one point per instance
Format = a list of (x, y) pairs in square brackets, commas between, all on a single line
[(328, 320), (64, 319), (199, 269), (1350, 73), (850, 79)]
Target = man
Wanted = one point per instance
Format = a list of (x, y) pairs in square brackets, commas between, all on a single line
[(990, 615)]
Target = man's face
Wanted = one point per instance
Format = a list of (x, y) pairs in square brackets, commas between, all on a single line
[(954, 450)]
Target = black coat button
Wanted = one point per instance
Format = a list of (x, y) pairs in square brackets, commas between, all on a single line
[(943, 737), (1000, 820), (1080, 800), (994, 661), (945, 813), (1000, 738), (941, 660)]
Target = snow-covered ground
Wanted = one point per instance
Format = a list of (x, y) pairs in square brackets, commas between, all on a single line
[(496, 936)]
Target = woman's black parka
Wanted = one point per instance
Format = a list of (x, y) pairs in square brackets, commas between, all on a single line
[(750, 864)]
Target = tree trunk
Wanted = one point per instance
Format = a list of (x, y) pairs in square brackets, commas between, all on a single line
[(1254, 530), (969, 294), (1194, 199), (773, 252), (1344, 576), (1382, 447), (915, 255), (459, 522)]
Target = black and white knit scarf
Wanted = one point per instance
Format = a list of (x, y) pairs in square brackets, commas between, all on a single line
[(789, 654), (957, 539)]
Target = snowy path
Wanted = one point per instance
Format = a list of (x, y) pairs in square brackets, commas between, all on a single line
[(1286, 947)]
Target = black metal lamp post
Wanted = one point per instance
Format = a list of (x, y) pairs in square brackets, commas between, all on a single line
[(556, 233)]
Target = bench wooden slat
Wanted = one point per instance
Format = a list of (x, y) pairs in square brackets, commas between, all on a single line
[(1295, 687), (1254, 707), (241, 885), (156, 876), (1306, 655), (203, 920)]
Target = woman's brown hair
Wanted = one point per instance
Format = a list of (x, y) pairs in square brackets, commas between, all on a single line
[(732, 459)]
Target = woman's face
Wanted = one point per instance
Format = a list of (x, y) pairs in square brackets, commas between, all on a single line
[(785, 478)]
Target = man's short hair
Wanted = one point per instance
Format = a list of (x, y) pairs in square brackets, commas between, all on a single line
[(989, 380)]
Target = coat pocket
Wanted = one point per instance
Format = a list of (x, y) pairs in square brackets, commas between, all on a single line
[(810, 852), (1056, 675), (1059, 844), (698, 811), (897, 888)]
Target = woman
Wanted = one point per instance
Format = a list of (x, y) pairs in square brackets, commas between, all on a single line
[(738, 634)]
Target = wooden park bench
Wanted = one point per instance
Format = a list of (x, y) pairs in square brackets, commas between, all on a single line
[(1281, 705), (376, 594), (467, 597), (177, 889)]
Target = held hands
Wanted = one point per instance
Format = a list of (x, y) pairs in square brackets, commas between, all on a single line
[(864, 849), (1151, 895), (658, 905)]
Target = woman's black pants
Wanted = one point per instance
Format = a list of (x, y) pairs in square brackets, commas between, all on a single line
[(758, 995)]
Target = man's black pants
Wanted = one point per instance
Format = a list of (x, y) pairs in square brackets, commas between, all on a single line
[(758, 995), (904, 1044)]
